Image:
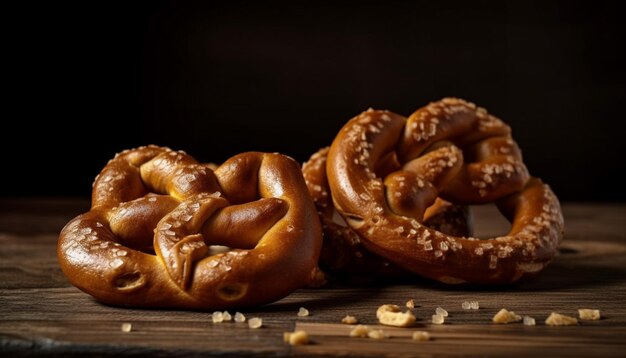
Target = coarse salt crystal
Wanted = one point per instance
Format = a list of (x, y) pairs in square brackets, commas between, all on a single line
[(441, 311)]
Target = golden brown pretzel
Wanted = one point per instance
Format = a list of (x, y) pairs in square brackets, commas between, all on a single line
[(343, 254), (451, 149), (154, 198)]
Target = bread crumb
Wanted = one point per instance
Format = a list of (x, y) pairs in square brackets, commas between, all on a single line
[(557, 319), (391, 315), (296, 338), (410, 304), (588, 314), (349, 320), (127, 327), (421, 336), (376, 334), (303, 312), (239, 317), (505, 316), (359, 331), (528, 321), (255, 322), (226, 316), (217, 317)]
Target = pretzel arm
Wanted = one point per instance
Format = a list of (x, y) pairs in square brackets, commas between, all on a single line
[(242, 226), (177, 240)]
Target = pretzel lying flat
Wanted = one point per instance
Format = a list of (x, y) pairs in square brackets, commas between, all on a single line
[(451, 149), (155, 213)]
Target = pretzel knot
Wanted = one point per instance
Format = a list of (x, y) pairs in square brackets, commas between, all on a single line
[(157, 215), (384, 171), (343, 255)]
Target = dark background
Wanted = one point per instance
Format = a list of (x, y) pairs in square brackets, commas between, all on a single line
[(88, 79)]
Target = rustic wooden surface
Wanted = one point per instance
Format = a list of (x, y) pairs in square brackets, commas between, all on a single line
[(41, 314)]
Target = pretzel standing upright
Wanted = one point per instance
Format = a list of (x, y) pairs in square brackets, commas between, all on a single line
[(451, 149), (155, 213)]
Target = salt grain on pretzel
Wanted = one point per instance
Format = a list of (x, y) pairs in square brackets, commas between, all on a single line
[(155, 212), (451, 149)]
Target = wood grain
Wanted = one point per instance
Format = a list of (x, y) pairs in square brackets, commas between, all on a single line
[(41, 314)]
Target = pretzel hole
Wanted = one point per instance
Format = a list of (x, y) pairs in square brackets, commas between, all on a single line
[(567, 251), (387, 164), (355, 221), (232, 291), (471, 154), (338, 219), (129, 281), (488, 221), (218, 249)]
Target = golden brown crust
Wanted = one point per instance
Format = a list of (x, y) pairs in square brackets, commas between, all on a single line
[(456, 150), (255, 203)]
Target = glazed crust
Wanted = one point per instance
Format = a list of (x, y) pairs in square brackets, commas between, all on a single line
[(156, 213)]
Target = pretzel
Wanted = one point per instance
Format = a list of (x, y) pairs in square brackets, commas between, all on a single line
[(343, 254), (156, 214), (454, 150)]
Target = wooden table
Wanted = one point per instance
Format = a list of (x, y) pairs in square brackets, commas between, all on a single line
[(41, 314)]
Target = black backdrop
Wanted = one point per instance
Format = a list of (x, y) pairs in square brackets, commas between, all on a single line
[(88, 79)]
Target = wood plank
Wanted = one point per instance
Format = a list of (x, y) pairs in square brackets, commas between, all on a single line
[(42, 314), (471, 339)]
